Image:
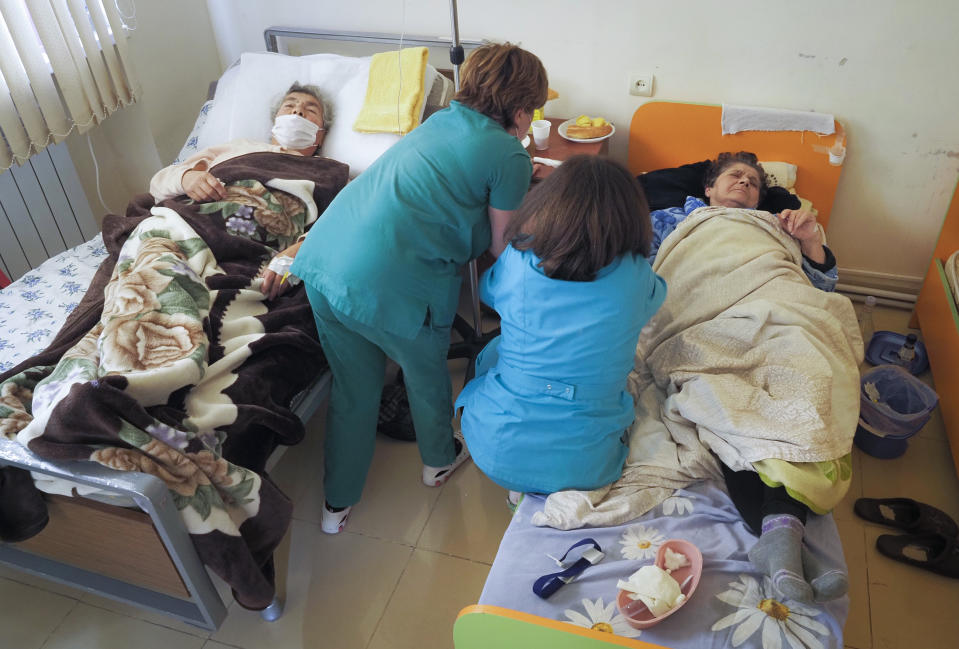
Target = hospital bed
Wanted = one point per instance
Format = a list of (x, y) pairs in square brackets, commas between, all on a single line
[(140, 551), (732, 604)]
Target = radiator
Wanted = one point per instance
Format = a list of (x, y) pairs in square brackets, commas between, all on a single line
[(43, 211), (890, 290)]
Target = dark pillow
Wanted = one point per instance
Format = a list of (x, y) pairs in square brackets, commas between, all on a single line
[(670, 187), (778, 199)]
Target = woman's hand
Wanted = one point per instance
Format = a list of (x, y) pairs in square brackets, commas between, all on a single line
[(202, 186), (801, 225), (273, 283), (484, 262)]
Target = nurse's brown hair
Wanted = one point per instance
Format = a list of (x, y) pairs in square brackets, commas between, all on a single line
[(499, 79), (587, 213)]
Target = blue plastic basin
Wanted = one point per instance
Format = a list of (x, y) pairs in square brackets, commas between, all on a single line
[(903, 407), (883, 349), (885, 448)]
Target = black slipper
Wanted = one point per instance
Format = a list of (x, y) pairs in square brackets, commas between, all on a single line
[(933, 552), (906, 514)]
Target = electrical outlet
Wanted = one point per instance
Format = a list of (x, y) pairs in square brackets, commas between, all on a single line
[(641, 84)]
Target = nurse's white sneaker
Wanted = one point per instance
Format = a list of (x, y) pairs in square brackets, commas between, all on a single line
[(514, 499), (332, 522), (434, 476)]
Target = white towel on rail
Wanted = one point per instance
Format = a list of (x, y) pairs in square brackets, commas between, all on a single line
[(751, 118)]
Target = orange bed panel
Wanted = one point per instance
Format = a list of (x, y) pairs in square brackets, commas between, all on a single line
[(948, 241), (668, 134), (939, 321)]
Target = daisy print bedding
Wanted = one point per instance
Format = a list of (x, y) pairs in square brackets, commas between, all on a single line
[(733, 605)]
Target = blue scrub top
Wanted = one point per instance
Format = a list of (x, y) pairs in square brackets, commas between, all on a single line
[(549, 408), (391, 243)]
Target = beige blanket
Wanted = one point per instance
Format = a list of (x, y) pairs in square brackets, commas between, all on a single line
[(660, 461), (747, 357)]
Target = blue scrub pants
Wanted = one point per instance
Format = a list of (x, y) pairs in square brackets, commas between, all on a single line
[(357, 356)]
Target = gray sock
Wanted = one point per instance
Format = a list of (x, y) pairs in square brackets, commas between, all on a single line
[(778, 553), (827, 583)]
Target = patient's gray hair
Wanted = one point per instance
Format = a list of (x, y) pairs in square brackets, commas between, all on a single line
[(728, 159), (306, 89)]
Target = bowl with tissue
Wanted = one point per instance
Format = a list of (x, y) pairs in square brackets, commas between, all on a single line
[(654, 592)]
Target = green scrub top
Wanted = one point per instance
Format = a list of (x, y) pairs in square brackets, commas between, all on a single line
[(388, 248)]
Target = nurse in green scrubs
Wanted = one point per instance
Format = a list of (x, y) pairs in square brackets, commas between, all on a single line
[(381, 265)]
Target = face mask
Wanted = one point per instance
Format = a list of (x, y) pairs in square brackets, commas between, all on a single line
[(294, 132)]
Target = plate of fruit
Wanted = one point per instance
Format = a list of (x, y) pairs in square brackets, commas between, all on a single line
[(586, 129)]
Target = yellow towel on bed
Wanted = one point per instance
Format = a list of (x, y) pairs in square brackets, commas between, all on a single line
[(394, 94)]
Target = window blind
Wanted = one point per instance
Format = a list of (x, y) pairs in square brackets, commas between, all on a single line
[(64, 64)]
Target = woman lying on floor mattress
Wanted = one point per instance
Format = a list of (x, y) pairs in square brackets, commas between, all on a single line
[(748, 369)]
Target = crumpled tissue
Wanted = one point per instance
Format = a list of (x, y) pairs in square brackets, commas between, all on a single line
[(655, 587)]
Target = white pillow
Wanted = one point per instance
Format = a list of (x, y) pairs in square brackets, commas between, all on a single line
[(780, 174), (248, 90)]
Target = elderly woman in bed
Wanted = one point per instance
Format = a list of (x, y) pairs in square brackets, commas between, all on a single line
[(300, 122), (738, 180)]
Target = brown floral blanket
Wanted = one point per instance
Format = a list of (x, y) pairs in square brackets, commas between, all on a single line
[(175, 365)]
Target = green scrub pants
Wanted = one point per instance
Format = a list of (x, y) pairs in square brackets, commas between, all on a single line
[(357, 356)]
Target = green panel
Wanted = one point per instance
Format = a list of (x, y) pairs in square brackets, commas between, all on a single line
[(949, 295), (490, 631)]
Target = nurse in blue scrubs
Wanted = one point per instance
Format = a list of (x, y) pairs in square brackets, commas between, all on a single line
[(381, 265), (548, 409)]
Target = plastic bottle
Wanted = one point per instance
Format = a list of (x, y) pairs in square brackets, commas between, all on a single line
[(865, 319), (907, 352)]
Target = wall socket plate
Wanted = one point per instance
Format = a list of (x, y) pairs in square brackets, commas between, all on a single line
[(641, 84)]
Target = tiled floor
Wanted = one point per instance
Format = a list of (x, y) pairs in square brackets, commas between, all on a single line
[(412, 556), (894, 605)]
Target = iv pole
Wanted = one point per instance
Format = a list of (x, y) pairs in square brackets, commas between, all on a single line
[(473, 340), (456, 59)]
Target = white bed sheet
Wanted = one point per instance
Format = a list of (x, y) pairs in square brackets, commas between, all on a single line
[(191, 145), (33, 308)]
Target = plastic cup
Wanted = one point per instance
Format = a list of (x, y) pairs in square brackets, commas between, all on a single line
[(541, 133)]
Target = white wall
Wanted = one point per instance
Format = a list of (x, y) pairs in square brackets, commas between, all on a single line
[(123, 160), (175, 58), (886, 69)]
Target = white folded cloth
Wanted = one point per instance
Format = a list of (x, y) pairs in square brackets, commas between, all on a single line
[(752, 118)]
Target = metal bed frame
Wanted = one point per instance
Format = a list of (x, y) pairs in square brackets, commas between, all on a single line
[(205, 608)]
